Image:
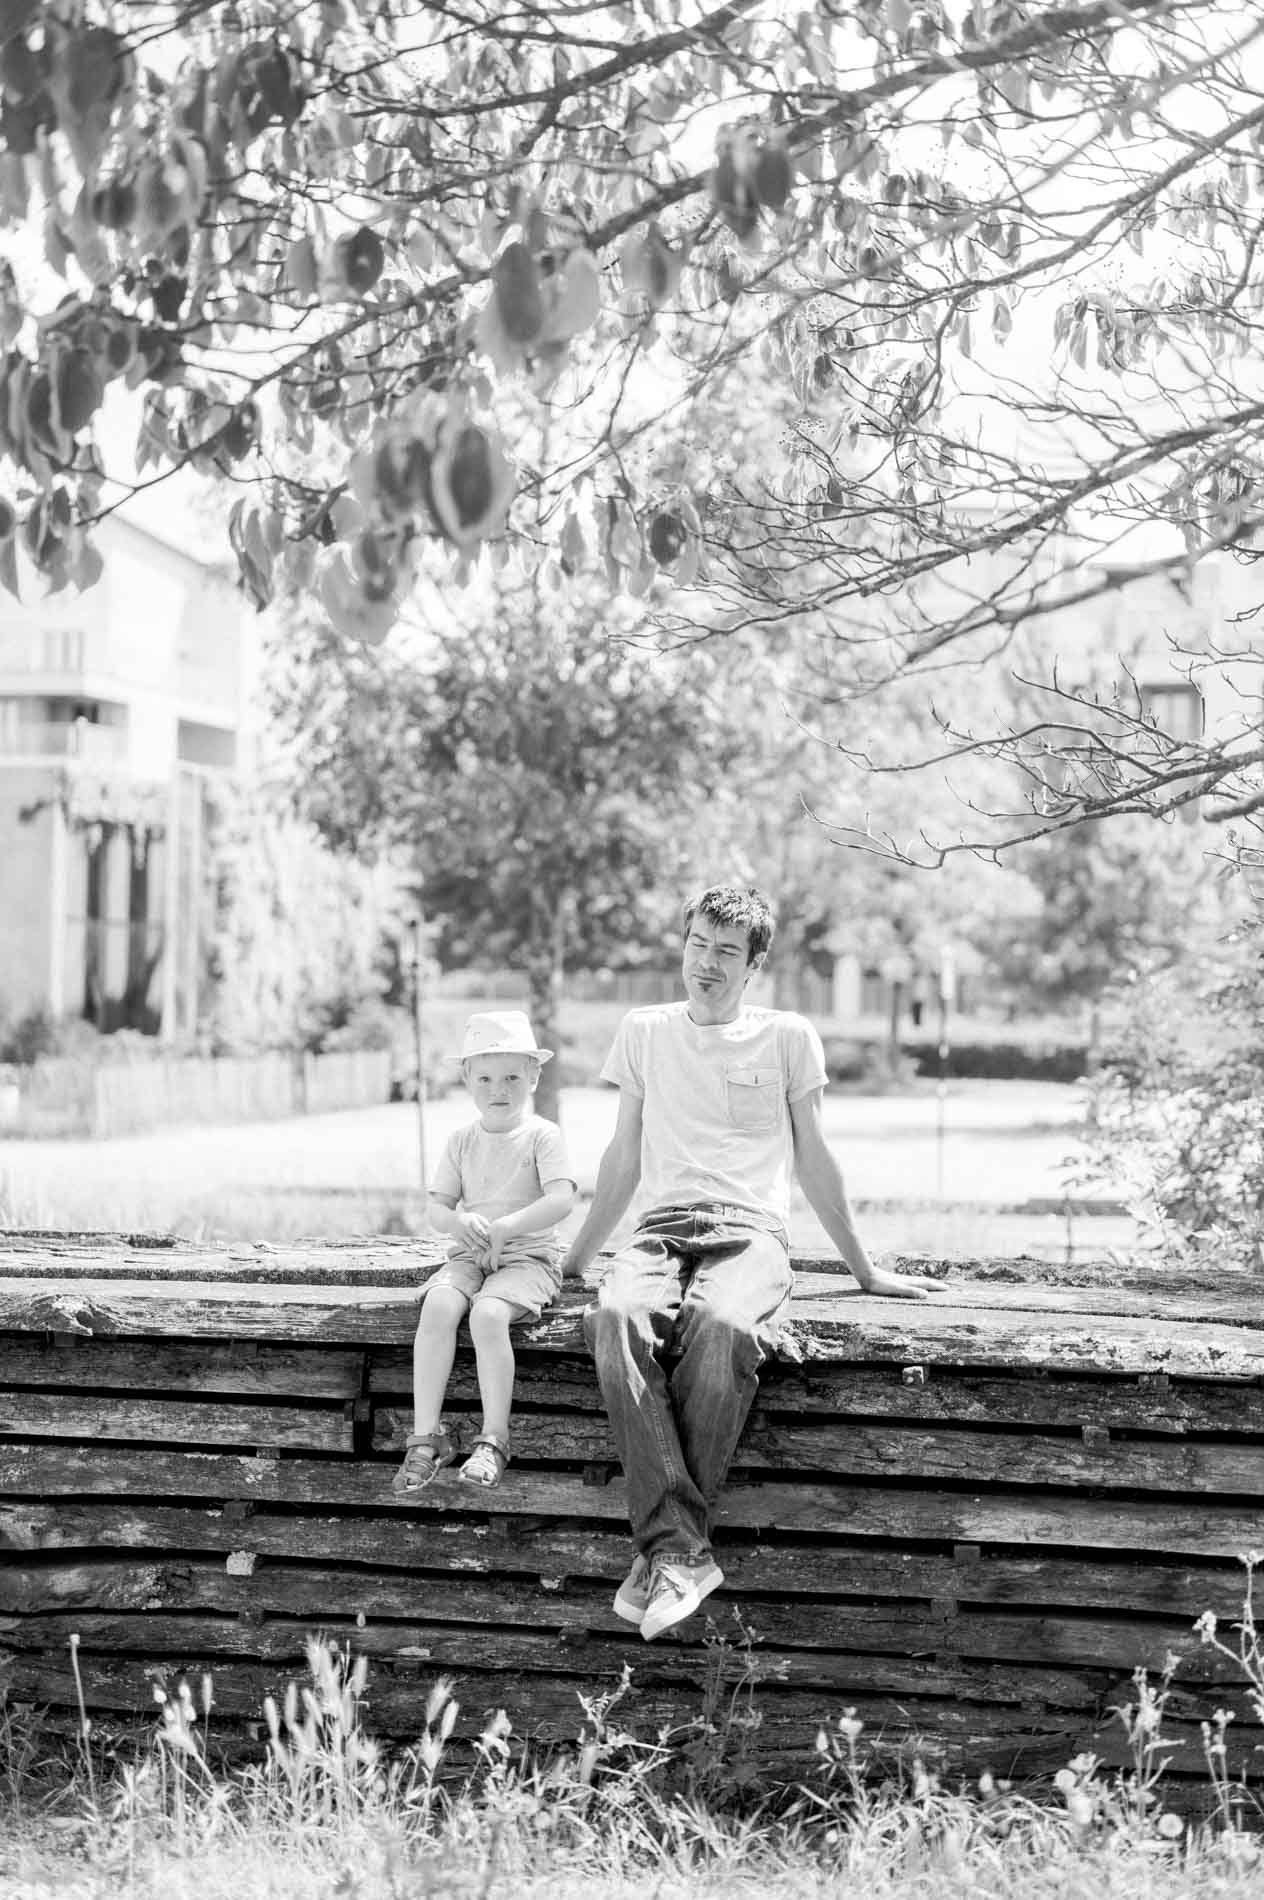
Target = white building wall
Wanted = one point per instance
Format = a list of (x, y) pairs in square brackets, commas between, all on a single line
[(163, 638)]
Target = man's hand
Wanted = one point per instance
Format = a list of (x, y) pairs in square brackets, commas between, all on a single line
[(900, 1286)]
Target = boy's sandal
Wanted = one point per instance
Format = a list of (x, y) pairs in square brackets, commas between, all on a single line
[(485, 1465), (425, 1455)]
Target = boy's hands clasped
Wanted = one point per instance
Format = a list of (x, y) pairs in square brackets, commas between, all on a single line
[(485, 1238)]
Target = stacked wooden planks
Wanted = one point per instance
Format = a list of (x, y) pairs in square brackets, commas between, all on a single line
[(968, 1520)]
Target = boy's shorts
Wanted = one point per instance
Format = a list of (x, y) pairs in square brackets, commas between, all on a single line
[(529, 1281)]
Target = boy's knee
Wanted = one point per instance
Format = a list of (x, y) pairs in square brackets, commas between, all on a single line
[(441, 1306), (490, 1317)]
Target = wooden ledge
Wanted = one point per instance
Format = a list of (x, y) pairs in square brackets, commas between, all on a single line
[(1020, 1314)]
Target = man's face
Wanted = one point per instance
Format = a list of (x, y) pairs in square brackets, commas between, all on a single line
[(716, 970), (502, 1087)]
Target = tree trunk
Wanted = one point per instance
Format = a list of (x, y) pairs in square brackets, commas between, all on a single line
[(543, 976), (545, 963)]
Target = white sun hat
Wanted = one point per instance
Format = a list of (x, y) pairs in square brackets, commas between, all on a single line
[(500, 1032)]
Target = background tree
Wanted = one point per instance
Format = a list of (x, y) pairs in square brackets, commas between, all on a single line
[(794, 779), (536, 775), (994, 261), (1111, 899), (294, 936)]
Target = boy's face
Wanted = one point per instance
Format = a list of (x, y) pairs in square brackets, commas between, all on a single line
[(502, 1087)]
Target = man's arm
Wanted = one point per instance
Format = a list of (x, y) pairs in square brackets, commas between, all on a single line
[(617, 1175), (822, 1181)]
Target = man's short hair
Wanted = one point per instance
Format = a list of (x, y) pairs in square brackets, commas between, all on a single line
[(736, 907)]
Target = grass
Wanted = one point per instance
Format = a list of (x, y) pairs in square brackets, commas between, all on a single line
[(326, 1813)]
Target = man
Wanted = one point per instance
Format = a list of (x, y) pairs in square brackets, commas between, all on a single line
[(719, 1103)]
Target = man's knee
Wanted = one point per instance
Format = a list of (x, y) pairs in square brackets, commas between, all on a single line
[(722, 1330), (623, 1312), (612, 1316)]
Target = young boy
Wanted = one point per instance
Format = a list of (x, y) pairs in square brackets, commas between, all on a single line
[(503, 1184)]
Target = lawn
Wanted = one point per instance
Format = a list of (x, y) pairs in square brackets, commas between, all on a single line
[(980, 1169)]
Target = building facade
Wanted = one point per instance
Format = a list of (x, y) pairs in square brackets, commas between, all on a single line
[(121, 709)]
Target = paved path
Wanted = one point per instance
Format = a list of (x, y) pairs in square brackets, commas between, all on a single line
[(1005, 1146)]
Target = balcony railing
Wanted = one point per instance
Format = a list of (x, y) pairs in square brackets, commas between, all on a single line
[(202, 668), (34, 649), (62, 739)]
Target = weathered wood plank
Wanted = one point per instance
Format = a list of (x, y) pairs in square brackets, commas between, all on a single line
[(372, 1259), (549, 1381), (838, 1323), (959, 1335), (461, 1549), (395, 1260), (548, 1709), (574, 1651), (899, 1450), (246, 1370), (285, 1314), (782, 1748), (49, 1469), (33, 1599), (62, 1414)]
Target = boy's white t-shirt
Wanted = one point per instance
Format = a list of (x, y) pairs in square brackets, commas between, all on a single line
[(716, 1120), (499, 1173)]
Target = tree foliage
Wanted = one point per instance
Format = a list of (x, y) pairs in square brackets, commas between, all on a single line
[(1178, 1106), (417, 279), (533, 776), (794, 778), (1110, 900), (293, 935)]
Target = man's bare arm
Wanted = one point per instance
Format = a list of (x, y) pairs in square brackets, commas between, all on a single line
[(821, 1179), (617, 1175)]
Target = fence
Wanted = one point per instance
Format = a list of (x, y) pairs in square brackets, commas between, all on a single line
[(631, 989), (61, 1097)]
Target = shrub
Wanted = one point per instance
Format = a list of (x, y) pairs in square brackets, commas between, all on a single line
[(30, 1037), (371, 1024), (38, 1034), (1177, 1103), (1002, 1061), (857, 1061)]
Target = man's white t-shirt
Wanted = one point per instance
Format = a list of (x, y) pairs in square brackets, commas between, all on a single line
[(716, 1118)]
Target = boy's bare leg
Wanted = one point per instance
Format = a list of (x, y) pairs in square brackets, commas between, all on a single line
[(434, 1349), (494, 1357)]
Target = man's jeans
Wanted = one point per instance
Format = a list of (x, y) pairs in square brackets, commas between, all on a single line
[(709, 1283)]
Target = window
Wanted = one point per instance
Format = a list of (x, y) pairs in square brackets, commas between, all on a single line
[(1175, 706)]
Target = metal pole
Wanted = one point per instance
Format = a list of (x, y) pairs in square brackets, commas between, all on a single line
[(947, 985), (419, 1050)]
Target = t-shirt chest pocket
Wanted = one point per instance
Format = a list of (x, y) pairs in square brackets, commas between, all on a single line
[(753, 1096)]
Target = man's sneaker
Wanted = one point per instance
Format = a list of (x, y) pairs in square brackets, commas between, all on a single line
[(676, 1590), (634, 1592)]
